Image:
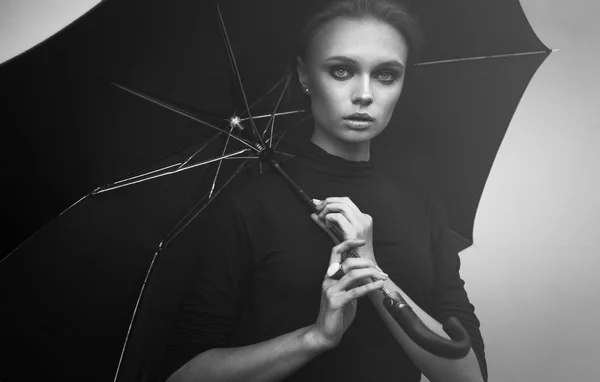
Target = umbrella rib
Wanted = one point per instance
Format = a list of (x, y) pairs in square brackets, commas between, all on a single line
[(200, 149), (272, 119), (165, 172), (132, 178), (42, 227), (268, 92), (284, 153), (181, 112), (276, 114), (184, 222), (279, 140), (212, 188), (236, 70), (282, 134), (482, 58), (161, 246)]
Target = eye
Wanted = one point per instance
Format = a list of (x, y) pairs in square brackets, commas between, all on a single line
[(386, 77), (340, 72)]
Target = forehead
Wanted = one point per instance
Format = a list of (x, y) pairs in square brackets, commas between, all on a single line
[(364, 40)]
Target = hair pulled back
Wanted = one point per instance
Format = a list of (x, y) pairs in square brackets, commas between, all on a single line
[(391, 12)]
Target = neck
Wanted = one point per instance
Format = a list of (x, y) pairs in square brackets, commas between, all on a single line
[(352, 151)]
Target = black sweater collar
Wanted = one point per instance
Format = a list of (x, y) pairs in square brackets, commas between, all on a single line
[(315, 157)]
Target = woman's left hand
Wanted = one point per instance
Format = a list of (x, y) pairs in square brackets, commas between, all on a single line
[(342, 212)]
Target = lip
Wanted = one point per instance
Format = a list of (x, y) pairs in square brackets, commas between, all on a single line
[(360, 117), (357, 124)]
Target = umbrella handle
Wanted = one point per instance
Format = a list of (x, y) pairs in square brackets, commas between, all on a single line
[(459, 343)]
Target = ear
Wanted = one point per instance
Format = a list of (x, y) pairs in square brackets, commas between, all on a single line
[(302, 72)]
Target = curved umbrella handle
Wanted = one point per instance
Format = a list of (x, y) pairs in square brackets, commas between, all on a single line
[(459, 344), (457, 347)]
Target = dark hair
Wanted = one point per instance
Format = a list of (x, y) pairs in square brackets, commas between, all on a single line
[(391, 12)]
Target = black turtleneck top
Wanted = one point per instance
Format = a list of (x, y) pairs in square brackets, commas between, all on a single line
[(262, 261)]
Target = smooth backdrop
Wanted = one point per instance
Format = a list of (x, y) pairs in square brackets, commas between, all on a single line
[(532, 273)]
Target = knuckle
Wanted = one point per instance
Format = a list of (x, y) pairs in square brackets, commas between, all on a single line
[(335, 303), (355, 274), (335, 216), (350, 262)]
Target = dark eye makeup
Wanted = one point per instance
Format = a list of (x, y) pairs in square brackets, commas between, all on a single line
[(341, 72), (386, 76)]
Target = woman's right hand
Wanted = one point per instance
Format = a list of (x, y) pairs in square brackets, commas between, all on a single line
[(339, 297)]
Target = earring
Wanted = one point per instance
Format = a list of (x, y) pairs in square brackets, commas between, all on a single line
[(306, 90)]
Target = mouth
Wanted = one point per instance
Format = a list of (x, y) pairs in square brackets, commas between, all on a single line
[(356, 124), (359, 117), (358, 121)]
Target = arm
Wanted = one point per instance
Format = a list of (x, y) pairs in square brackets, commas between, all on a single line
[(449, 295), (277, 358), (435, 368), (449, 299), (271, 360)]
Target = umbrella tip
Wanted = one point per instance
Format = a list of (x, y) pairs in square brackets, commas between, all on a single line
[(555, 50)]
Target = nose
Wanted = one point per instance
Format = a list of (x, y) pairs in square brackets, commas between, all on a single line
[(363, 95)]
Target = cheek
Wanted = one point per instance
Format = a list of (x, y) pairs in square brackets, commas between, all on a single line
[(328, 95), (388, 103), (391, 98)]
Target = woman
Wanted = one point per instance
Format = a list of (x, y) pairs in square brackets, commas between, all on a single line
[(260, 308)]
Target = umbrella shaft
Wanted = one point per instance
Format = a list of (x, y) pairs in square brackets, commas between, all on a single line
[(352, 253), (335, 229)]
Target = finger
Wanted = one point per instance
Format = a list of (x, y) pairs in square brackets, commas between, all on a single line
[(357, 263), (360, 276), (355, 293), (339, 300), (321, 224), (342, 204), (338, 250), (343, 199), (354, 216), (342, 223)]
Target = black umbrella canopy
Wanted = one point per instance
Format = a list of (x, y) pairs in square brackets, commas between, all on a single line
[(72, 131), (75, 131)]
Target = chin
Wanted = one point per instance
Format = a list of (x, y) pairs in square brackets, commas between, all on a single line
[(357, 137), (360, 135)]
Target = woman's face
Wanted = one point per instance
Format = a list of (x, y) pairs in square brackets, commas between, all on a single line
[(354, 71)]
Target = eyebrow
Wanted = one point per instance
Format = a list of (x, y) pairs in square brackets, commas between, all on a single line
[(350, 60)]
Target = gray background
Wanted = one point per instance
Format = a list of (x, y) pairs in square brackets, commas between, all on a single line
[(532, 271)]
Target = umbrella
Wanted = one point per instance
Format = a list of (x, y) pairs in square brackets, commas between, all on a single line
[(473, 81)]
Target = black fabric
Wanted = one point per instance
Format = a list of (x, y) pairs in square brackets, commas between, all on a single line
[(261, 262)]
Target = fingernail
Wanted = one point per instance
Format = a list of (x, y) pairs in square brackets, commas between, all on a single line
[(385, 275), (317, 201), (379, 282), (379, 269)]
